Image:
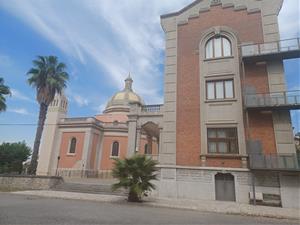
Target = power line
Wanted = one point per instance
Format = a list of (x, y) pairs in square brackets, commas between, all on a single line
[(26, 124)]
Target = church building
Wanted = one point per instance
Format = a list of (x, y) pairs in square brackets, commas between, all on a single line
[(224, 131)]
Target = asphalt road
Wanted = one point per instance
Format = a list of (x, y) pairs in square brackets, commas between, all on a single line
[(19, 209)]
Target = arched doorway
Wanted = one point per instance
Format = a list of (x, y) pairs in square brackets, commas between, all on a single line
[(224, 186), (149, 140)]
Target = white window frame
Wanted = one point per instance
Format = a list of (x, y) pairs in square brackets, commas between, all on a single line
[(111, 149), (224, 92), (212, 42), (69, 146)]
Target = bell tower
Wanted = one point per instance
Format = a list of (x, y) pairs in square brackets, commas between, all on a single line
[(48, 152)]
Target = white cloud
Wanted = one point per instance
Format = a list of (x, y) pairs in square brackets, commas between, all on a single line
[(99, 109), (289, 19), (5, 60), (117, 36), (18, 95), (21, 111), (77, 98), (81, 101)]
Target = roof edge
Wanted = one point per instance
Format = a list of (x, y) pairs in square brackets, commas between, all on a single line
[(181, 10)]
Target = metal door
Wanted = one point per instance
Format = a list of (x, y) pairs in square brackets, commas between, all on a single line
[(225, 190)]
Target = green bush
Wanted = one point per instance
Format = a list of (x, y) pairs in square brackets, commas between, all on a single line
[(12, 156), (134, 174)]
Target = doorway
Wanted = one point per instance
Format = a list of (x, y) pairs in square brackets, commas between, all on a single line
[(225, 190)]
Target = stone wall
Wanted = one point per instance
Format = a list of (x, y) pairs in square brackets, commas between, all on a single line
[(29, 182)]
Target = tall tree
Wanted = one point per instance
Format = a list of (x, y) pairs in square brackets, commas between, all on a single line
[(4, 90), (49, 77)]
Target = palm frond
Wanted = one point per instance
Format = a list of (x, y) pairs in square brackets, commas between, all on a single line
[(48, 76), (135, 173)]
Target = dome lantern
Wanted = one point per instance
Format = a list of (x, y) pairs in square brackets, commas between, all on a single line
[(120, 102)]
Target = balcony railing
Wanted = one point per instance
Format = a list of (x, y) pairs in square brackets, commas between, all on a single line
[(285, 49), (151, 108), (276, 100), (279, 162)]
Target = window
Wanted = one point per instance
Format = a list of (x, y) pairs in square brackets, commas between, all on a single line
[(115, 149), (72, 148), (217, 47), (222, 140), (219, 89), (148, 150)]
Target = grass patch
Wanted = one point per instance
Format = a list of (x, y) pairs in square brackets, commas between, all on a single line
[(10, 189)]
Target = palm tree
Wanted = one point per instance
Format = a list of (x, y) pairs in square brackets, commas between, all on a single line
[(134, 174), (4, 90), (49, 77)]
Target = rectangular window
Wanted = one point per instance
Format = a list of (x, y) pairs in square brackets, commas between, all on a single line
[(228, 89), (221, 89), (222, 140), (210, 90)]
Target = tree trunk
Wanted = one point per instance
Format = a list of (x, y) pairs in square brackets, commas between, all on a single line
[(39, 131), (133, 196)]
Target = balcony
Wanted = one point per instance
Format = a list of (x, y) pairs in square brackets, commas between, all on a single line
[(283, 49), (276, 162), (151, 108), (273, 101)]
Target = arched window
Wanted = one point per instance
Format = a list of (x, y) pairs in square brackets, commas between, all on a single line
[(148, 150), (217, 47), (115, 149), (72, 145)]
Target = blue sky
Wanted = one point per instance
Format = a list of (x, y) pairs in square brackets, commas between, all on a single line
[(100, 41)]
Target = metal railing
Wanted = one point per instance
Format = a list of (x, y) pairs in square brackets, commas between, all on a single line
[(151, 108), (290, 162), (76, 119), (275, 99), (270, 47)]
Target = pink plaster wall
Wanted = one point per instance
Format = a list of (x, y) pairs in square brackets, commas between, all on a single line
[(68, 160)]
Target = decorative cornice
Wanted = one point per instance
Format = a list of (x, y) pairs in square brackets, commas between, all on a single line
[(206, 7)]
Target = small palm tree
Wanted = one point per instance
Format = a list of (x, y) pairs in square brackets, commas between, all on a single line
[(4, 90), (134, 174), (49, 77)]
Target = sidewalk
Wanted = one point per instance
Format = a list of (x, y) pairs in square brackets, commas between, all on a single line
[(199, 205)]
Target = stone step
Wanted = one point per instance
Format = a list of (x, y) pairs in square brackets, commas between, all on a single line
[(88, 188)]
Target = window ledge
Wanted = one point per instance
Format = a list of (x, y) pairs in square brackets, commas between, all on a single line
[(113, 157), (220, 100), (218, 58), (71, 154), (222, 155)]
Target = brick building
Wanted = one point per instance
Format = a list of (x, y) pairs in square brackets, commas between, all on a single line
[(224, 131)]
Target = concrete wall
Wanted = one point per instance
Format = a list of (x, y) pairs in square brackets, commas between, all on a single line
[(199, 183), (29, 182), (290, 190)]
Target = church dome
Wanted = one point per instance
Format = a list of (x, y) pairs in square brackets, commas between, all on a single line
[(120, 102)]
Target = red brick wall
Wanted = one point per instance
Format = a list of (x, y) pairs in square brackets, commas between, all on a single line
[(260, 124), (248, 28), (221, 162), (261, 128)]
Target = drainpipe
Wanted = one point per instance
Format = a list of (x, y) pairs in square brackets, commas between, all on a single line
[(56, 172), (253, 188)]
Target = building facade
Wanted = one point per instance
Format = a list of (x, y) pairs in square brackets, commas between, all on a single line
[(224, 131)]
